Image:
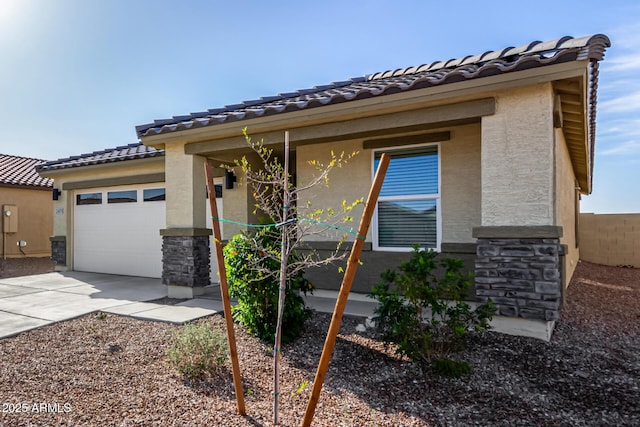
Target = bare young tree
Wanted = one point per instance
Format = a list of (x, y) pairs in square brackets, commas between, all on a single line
[(277, 198)]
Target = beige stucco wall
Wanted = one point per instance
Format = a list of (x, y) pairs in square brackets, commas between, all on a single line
[(461, 184), (186, 188), (501, 172), (610, 239), (63, 207), (566, 203), (35, 221), (236, 206), (350, 182), (239, 204), (517, 158)]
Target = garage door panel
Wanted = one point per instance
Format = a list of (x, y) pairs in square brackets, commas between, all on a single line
[(119, 238), (124, 238)]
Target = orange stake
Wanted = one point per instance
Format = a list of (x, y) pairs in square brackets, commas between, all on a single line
[(338, 311), (224, 290)]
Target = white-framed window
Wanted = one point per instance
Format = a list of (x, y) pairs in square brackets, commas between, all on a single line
[(89, 199), (122, 196), (408, 209), (154, 194)]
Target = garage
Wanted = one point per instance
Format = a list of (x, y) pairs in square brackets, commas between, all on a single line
[(117, 230)]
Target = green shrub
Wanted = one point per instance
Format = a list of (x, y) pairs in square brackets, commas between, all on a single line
[(253, 277), (451, 367), (197, 350), (422, 311)]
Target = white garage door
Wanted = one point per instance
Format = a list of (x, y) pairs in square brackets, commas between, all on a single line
[(117, 230)]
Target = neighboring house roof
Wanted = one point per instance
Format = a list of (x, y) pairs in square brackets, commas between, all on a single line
[(532, 55), (17, 171), (110, 155)]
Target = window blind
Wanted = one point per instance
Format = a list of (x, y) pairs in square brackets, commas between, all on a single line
[(408, 203)]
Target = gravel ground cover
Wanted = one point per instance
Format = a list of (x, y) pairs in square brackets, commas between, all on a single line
[(113, 372), (14, 267)]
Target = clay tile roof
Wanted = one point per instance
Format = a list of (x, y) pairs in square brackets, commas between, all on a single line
[(110, 155), (510, 59), (21, 172)]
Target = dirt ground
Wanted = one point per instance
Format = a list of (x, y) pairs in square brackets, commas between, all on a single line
[(113, 370), (15, 267)]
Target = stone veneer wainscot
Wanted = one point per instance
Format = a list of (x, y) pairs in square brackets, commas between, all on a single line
[(521, 275)]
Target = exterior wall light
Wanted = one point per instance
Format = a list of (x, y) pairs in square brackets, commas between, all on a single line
[(229, 179)]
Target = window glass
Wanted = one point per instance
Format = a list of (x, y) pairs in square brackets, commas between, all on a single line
[(127, 196), (89, 199), (406, 223), (154, 194), (411, 171), (407, 211), (218, 190)]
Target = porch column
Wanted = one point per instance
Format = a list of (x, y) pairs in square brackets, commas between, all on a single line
[(518, 264), (185, 241)]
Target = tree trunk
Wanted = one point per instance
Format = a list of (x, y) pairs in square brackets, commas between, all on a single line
[(284, 257)]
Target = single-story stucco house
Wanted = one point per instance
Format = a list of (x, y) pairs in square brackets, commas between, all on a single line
[(490, 154), (27, 205)]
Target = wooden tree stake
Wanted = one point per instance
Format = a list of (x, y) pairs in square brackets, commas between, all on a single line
[(224, 290), (338, 311)]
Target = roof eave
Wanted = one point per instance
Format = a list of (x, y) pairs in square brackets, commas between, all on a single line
[(512, 59), (593, 98), (124, 163), (47, 187), (371, 106)]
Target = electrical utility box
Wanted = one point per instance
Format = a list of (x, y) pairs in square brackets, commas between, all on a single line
[(9, 218)]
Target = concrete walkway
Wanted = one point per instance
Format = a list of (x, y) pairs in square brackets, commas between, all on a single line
[(30, 302)]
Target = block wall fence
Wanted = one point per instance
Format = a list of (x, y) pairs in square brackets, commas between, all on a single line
[(610, 239)]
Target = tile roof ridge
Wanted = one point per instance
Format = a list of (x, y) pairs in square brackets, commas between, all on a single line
[(597, 41)]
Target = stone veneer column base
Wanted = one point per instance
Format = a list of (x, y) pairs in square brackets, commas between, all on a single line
[(185, 261), (519, 270), (59, 252)]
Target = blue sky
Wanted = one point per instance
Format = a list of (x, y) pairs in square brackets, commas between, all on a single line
[(77, 75)]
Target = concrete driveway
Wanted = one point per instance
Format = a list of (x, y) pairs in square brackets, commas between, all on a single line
[(29, 302)]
